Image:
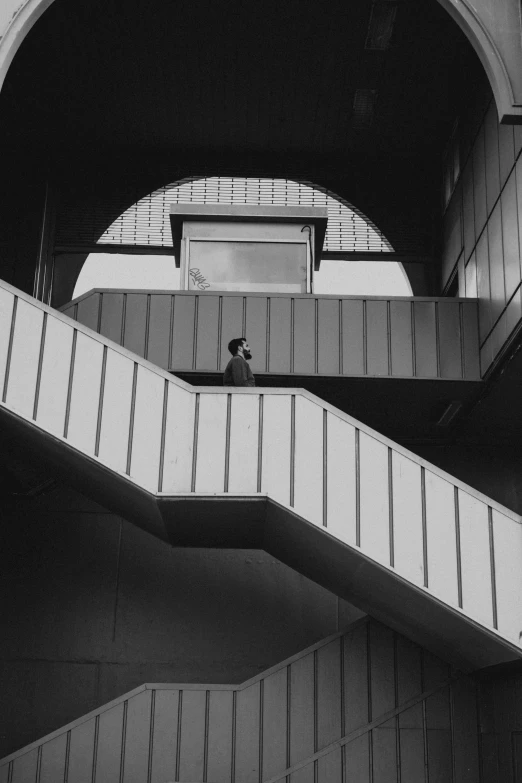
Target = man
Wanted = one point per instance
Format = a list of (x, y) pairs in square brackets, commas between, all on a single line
[(238, 372)]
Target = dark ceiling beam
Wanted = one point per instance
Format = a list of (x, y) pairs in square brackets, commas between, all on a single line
[(363, 255), (161, 250)]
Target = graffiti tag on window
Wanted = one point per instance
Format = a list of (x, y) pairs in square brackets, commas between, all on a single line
[(199, 280)]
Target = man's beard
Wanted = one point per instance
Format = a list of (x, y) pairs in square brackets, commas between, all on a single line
[(247, 355)]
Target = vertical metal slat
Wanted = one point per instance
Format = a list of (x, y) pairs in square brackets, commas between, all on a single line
[(70, 384), (163, 434), (325, 467), (260, 443), (292, 449), (40, 364), (100, 402), (227, 444), (458, 545), (195, 444), (9, 349), (424, 527), (131, 421), (390, 507), (493, 568)]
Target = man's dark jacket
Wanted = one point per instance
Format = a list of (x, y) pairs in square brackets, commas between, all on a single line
[(238, 373)]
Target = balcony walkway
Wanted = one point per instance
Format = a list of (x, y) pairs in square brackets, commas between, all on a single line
[(277, 469), (300, 335)]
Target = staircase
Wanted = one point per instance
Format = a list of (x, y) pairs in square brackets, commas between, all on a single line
[(277, 469), (330, 713)]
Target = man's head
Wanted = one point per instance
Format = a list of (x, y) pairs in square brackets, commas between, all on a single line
[(239, 347)]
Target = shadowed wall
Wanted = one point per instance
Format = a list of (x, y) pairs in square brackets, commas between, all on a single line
[(93, 607)]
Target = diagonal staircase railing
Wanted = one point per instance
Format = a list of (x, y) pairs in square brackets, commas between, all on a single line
[(333, 702), (425, 534)]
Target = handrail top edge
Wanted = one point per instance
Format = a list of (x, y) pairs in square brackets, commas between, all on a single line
[(268, 295)]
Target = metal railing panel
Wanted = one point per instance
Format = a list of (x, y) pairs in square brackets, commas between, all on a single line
[(441, 572), (51, 405), (247, 734), (192, 737), (178, 449), (115, 413), (137, 740), (341, 480), (308, 460), (81, 756), (374, 494), (110, 735), (401, 338), (407, 528), (474, 546), (53, 760), (25, 768), (147, 417), (163, 753), (85, 385), (301, 335), (24, 358), (506, 551), (243, 460), (328, 336), (276, 447), (275, 723), (212, 443)]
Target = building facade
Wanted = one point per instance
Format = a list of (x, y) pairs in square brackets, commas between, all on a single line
[(319, 578)]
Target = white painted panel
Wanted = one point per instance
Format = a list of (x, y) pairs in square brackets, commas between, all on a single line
[(85, 394), (244, 443), (475, 558), (441, 539), (407, 519), (308, 465), (146, 437), (275, 475), (116, 411), (212, 425), (6, 314), (24, 358), (375, 514), (507, 537), (341, 479), (179, 440), (54, 381)]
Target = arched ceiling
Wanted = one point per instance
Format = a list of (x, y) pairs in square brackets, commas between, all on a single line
[(279, 76), (115, 97)]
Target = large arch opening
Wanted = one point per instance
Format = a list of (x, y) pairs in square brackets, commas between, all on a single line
[(146, 223)]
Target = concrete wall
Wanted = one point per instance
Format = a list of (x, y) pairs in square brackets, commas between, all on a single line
[(92, 607), (482, 227)]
